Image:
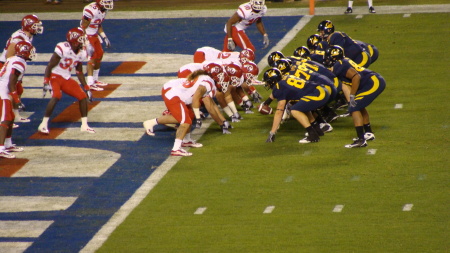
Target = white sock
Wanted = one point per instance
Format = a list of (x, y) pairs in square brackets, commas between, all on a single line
[(350, 4), (84, 121), (177, 144), (369, 2), (227, 111), (8, 142), (232, 107), (96, 71), (90, 80)]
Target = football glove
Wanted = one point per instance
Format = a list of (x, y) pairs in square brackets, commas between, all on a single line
[(247, 106), (231, 46), (271, 137), (352, 102), (266, 41), (198, 123), (256, 97), (21, 106), (46, 88), (107, 42), (89, 94)]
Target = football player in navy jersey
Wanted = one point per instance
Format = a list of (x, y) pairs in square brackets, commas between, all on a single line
[(366, 85), (309, 96), (371, 49), (352, 49)]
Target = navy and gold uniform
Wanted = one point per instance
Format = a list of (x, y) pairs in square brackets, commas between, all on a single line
[(371, 84), (352, 49), (371, 49)]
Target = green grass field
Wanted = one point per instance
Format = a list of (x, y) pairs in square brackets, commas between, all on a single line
[(237, 176)]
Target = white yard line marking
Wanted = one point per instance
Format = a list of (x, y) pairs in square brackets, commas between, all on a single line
[(269, 209), (398, 106), (407, 207), (14, 246), (17, 204), (200, 210), (371, 151), (338, 208), (25, 228)]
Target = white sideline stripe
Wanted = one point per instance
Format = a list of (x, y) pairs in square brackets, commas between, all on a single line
[(200, 210), (338, 208), (407, 207), (407, 15), (371, 151), (359, 16), (100, 237), (17, 204), (398, 106), (14, 247), (24, 228), (269, 209), (323, 11)]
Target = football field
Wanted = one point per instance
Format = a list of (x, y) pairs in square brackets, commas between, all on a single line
[(117, 190)]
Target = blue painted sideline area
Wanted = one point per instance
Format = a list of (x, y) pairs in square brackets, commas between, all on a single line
[(99, 198)]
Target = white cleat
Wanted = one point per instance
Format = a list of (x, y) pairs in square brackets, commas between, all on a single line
[(5, 154), (14, 148), (95, 87), (43, 129), (22, 119), (87, 129), (191, 144), (100, 83), (148, 125)]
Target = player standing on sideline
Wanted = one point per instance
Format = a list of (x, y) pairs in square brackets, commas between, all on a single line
[(93, 16), (350, 7), (366, 85), (11, 72), (247, 14), (68, 55), (31, 25)]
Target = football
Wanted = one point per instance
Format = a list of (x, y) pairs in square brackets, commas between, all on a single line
[(265, 109)]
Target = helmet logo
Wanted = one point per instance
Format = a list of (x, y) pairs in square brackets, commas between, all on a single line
[(335, 52), (328, 25)]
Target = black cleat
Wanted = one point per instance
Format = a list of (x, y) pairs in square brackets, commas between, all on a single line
[(349, 10)]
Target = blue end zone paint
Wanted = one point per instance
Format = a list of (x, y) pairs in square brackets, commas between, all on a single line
[(99, 198)]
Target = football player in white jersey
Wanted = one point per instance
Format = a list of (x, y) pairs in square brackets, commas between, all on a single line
[(93, 16), (11, 72), (247, 14), (183, 97), (31, 25), (68, 55)]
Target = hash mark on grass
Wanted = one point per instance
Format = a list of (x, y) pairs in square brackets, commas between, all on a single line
[(289, 179), (407, 207), (407, 15), (371, 151), (338, 208), (269, 209), (359, 16), (200, 210), (398, 106)]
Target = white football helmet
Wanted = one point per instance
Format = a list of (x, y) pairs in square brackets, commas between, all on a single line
[(107, 4), (257, 5)]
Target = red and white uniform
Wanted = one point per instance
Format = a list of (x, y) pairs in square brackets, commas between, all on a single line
[(95, 16), (16, 37), (212, 54), (178, 94), (11, 65), (248, 16), (60, 78)]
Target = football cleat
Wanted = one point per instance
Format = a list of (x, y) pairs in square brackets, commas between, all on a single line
[(22, 119), (325, 127), (14, 148), (180, 152), (5, 154), (148, 125), (257, 82), (357, 144), (308, 140), (344, 115), (95, 87), (372, 10), (349, 10), (367, 136), (100, 83), (191, 144), (43, 129), (87, 129), (15, 126)]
